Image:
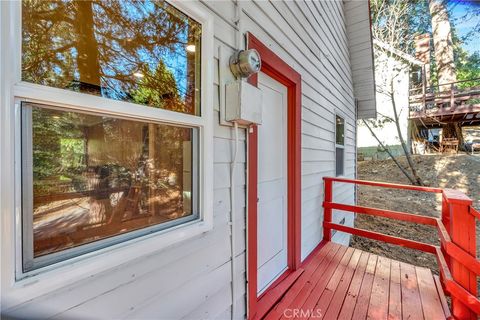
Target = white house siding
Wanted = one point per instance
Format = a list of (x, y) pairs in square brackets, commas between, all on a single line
[(310, 37), (191, 280), (357, 15)]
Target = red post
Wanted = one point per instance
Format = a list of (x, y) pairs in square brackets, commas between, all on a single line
[(446, 223), (462, 231), (327, 212), (445, 213)]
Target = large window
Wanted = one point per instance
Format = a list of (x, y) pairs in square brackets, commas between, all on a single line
[(339, 145), (95, 177), (146, 52), (105, 160)]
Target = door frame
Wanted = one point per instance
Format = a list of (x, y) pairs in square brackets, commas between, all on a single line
[(279, 70)]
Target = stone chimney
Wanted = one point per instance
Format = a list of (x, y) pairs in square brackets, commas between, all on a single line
[(422, 53)]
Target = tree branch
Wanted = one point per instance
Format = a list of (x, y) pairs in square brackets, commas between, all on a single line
[(412, 181)]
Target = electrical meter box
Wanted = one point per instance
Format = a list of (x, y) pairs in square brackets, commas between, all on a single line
[(243, 103)]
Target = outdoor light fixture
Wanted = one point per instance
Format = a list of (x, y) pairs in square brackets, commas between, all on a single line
[(244, 63), (190, 48)]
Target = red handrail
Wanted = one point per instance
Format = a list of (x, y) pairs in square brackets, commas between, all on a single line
[(455, 204), (385, 184), (425, 247), (475, 212), (383, 213)]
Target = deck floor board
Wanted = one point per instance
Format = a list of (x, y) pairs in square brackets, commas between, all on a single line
[(346, 311), (301, 287), (411, 302), (333, 308), (346, 283), (321, 283), (333, 284), (431, 304), (378, 307), (395, 296)]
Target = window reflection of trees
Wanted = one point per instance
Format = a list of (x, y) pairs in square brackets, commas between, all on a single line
[(95, 176), (126, 50)]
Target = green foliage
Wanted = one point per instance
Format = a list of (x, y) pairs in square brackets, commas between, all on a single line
[(134, 50), (158, 89), (57, 148), (473, 101), (468, 68), (390, 22), (72, 151), (418, 18), (99, 46)]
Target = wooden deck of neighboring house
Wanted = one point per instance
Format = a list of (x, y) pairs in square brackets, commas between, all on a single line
[(339, 282), (449, 102)]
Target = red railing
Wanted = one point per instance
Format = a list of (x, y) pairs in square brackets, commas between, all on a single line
[(456, 255)]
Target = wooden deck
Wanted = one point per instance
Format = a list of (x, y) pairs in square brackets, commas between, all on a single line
[(340, 282), (449, 102)]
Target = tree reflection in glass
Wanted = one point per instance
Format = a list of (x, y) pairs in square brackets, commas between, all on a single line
[(95, 176), (146, 52)]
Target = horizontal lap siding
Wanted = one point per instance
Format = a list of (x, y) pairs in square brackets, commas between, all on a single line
[(191, 280), (360, 45), (309, 36)]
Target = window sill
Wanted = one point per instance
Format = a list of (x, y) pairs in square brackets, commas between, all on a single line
[(62, 274)]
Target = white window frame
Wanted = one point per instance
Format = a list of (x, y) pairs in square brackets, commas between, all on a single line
[(18, 286), (340, 146)]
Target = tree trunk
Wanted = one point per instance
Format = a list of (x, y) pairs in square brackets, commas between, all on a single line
[(442, 39), (87, 47), (89, 77), (402, 141), (453, 130), (412, 181)]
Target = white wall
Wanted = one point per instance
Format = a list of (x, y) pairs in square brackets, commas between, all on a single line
[(386, 68), (192, 279)]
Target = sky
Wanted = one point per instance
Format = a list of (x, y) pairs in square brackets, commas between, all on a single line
[(460, 9)]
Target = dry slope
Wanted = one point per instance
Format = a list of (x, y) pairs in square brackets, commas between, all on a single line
[(460, 172)]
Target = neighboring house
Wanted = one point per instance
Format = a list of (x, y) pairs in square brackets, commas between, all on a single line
[(391, 66), (116, 157)]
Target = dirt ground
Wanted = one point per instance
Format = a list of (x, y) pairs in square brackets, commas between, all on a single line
[(460, 172)]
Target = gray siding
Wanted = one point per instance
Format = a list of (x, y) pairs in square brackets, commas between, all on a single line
[(191, 280), (357, 21)]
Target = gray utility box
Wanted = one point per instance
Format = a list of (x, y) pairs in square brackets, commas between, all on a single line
[(243, 103)]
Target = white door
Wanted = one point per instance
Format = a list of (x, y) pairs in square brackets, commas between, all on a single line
[(272, 183)]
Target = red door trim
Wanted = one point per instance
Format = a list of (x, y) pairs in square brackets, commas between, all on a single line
[(275, 67)]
